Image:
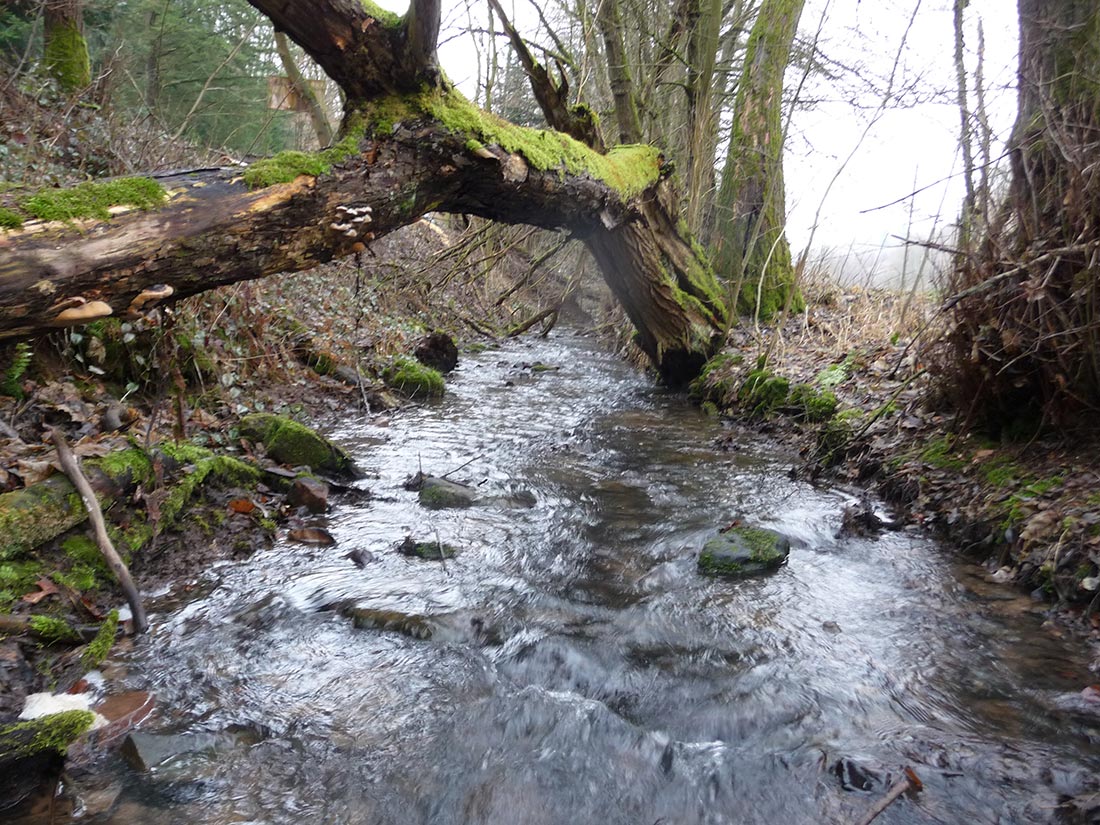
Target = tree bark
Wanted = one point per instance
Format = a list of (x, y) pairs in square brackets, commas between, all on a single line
[(65, 49), (702, 115), (751, 248), (1028, 308), (618, 71)]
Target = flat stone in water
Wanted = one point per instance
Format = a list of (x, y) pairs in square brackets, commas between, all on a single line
[(410, 624), (438, 494), (744, 551)]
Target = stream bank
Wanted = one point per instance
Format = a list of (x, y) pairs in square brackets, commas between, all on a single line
[(859, 401)]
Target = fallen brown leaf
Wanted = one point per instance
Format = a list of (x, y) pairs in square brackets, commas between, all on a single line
[(47, 588)]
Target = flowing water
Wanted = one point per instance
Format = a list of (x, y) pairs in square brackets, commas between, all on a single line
[(571, 666)]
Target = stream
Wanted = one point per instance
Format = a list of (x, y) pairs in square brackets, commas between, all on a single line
[(570, 665)]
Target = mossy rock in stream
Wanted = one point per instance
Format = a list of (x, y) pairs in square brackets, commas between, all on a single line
[(289, 442), (440, 494), (428, 550), (413, 379), (744, 551), (410, 624)]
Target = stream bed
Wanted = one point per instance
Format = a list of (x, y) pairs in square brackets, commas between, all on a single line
[(570, 665)]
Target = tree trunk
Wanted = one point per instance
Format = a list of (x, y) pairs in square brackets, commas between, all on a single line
[(66, 51), (751, 249), (409, 148), (618, 71), (1028, 307), (702, 117), (304, 89)]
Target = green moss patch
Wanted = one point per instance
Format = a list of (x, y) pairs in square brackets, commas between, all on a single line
[(413, 379), (52, 629), (93, 199), (99, 647), (811, 403), (627, 169), (65, 54), (763, 392), (286, 166), (289, 442), (205, 465), (47, 733), (940, 453), (714, 382), (383, 16), (17, 578), (743, 551)]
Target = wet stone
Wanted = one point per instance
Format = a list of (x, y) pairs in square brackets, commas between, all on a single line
[(430, 550), (744, 551), (409, 624), (310, 493), (439, 494), (856, 777), (438, 351), (146, 751)]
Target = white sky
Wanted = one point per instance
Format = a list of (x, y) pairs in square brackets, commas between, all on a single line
[(906, 149)]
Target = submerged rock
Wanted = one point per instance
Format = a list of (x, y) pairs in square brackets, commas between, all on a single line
[(438, 493), (410, 624), (311, 535), (854, 776), (146, 751), (744, 551), (430, 550)]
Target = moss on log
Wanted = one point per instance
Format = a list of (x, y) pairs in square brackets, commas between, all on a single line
[(54, 732), (34, 515)]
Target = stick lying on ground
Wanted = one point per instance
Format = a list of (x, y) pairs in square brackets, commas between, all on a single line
[(72, 469), (906, 783)]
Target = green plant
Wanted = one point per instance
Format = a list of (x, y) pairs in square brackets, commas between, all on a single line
[(52, 629), (20, 361)]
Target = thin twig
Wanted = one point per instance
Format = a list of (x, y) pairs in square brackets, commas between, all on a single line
[(71, 465), (460, 466), (907, 782)]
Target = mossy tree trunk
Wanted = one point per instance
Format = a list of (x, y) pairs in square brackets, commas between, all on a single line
[(65, 53), (750, 245), (1027, 322), (702, 116), (609, 19), (660, 275), (411, 144)]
